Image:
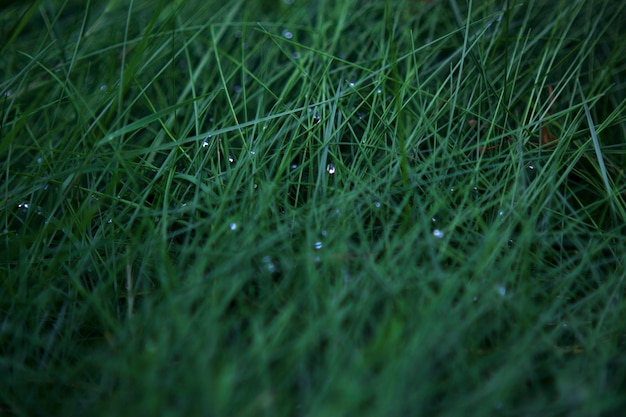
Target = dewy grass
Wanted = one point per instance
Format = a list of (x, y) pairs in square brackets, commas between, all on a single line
[(380, 208)]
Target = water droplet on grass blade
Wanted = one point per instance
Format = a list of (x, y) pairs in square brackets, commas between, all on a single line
[(331, 168), (502, 291), (377, 204), (318, 245), (269, 265), (287, 34), (232, 226), (438, 234)]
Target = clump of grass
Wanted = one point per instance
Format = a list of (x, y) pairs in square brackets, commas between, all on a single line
[(265, 208)]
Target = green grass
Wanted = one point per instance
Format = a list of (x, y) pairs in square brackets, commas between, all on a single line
[(374, 208)]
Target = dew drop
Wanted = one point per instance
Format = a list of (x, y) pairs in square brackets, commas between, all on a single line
[(295, 55), (377, 204), (331, 168), (502, 291), (253, 153), (103, 87), (232, 226), (287, 34), (438, 234), (318, 245), (324, 232), (23, 208), (109, 221), (205, 143), (379, 90), (269, 265), (231, 159), (351, 83), (531, 167)]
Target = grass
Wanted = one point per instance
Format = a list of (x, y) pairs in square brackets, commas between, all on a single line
[(377, 208)]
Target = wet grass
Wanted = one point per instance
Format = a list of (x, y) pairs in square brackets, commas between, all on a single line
[(320, 209)]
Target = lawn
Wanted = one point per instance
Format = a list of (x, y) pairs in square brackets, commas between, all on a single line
[(316, 209)]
